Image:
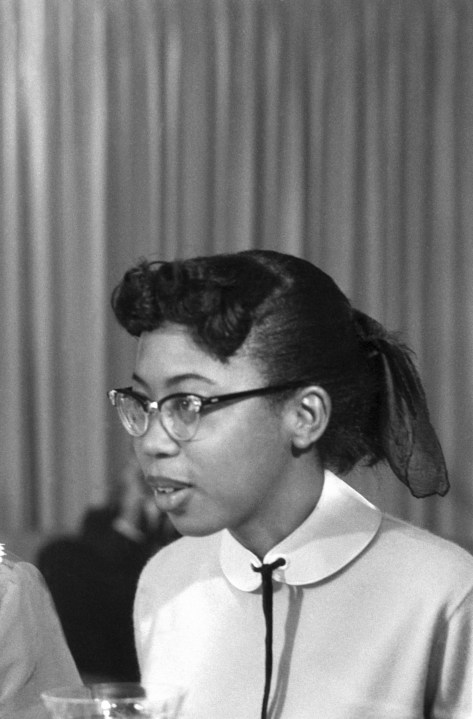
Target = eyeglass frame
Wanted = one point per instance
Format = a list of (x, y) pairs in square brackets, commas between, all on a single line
[(154, 406)]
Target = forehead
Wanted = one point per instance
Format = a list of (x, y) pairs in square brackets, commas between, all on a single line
[(169, 356)]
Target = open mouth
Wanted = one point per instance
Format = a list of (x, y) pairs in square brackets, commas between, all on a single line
[(170, 494), (165, 485)]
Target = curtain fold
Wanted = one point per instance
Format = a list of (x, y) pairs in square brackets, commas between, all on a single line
[(338, 131)]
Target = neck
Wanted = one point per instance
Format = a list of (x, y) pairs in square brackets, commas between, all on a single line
[(285, 515)]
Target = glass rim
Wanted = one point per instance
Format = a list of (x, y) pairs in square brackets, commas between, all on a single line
[(77, 693)]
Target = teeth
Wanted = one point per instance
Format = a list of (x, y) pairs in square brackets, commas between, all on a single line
[(165, 490)]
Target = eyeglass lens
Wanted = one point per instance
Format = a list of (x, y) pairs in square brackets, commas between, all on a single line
[(132, 414), (179, 415)]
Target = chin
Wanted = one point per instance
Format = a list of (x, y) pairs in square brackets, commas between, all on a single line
[(189, 528)]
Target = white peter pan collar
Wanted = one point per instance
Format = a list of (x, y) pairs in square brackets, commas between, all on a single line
[(342, 524)]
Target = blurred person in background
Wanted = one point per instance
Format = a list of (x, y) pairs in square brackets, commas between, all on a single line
[(93, 576), (34, 655)]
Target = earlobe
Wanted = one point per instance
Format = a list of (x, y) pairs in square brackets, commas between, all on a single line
[(312, 414)]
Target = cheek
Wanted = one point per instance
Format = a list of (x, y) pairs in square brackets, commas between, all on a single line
[(237, 441), (246, 457)]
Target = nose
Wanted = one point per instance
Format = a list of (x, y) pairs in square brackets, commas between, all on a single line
[(156, 441)]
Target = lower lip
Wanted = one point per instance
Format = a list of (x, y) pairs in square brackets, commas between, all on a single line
[(172, 501)]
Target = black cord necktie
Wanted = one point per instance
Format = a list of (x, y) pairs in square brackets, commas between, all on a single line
[(266, 571)]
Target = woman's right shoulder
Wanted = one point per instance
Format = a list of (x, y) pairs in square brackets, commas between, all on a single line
[(187, 557)]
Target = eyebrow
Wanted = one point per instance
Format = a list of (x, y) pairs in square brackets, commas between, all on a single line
[(176, 379)]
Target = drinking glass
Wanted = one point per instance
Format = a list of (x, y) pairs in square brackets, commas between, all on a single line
[(113, 700)]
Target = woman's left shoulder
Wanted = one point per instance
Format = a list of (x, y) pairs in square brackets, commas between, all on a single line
[(427, 555)]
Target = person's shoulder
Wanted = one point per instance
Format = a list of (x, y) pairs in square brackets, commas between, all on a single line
[(15, 572), (11, 564), (427, 555), (193, 556), (426, 540), (193, 551)]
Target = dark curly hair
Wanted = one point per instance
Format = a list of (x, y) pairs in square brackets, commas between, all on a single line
[(295, 323)]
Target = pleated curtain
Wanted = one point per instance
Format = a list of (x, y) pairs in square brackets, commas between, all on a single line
[(337, 130)]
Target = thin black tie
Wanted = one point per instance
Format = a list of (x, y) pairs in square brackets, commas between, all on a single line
[(266, 571)]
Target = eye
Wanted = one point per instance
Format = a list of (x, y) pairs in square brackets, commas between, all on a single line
[(189, 403), (186, 408)]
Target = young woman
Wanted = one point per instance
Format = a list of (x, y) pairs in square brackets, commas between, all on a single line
[(291, 596)]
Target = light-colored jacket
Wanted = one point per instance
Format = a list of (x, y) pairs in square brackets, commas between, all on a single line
[(33, 652)]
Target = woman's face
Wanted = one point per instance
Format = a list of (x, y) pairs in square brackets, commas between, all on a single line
[(238, 472)]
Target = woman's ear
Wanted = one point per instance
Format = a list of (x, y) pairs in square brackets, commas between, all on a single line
[(310, 416)]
